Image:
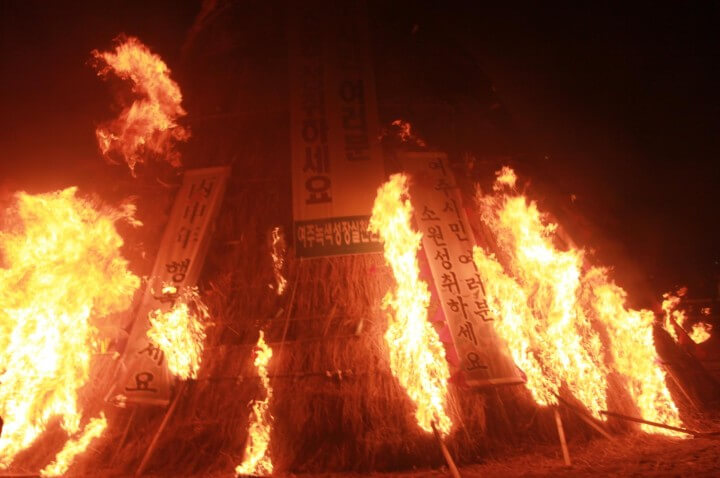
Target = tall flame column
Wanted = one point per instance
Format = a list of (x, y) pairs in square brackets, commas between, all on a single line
[(417, 357)]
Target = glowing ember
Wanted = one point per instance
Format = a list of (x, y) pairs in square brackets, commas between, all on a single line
[(700, 332), (406, 134), (257, 461), (417, 357), (552, 304), (180, 332), (278, 256), (61, 268), (73, 447), (148, 126)]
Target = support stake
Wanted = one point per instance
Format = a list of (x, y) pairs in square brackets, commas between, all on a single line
[(121, 443), (446, 454), (587, 419), (561, 435), (647, 422), (161, 428)]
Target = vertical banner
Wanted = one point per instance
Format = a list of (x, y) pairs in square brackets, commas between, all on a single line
[(337, 161), (144, 376), (448, 241)]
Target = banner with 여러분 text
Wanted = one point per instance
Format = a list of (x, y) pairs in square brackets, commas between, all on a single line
[(144, 376), (337, 162), (448, 241)]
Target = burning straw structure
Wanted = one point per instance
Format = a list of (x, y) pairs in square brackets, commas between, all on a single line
[(336, 404)]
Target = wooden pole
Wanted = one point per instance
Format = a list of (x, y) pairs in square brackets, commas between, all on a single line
[(161, 428), (289, 311), (669, 372), (454, 472), (561, 435), (647, 422), (121, 443), (587, 419)]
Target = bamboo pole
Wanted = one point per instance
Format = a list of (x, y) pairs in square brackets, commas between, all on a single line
[(121, 443), (161, 428), (671, 374), (289, 312), (454, 472), (561, 435), (647, 422)]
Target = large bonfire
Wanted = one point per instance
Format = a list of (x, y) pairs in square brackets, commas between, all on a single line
[(565, 322), (62, 272)]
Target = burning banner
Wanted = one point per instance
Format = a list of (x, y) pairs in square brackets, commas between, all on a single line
[(148, 127), (166, 338), (417, 357), (551, 304), (447, 242), (62, 272)]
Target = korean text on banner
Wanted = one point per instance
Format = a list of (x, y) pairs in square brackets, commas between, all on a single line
[(448, 241), (144, 376), (337, 162)]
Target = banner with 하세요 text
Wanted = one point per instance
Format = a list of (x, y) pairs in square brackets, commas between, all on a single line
[(144, 376), (448, 241), (337, 162)]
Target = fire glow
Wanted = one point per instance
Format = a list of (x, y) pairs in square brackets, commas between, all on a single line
[(62, 272), (277, 253), (77, 445), (180, 332), (417, 357), (148, 127), (551, 304), (675, 318), (257, 460)]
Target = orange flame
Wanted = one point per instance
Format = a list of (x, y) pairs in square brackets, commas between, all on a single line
[(700, 332), (257, 460), (278, 256), (552, 304), (405, 133), (62, 268), (673, 317), (180, 332), (417, 357), (74, 447), (148, 126)]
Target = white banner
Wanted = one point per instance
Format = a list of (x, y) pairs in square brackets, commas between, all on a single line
[(448, 241), (144, 376), (337, 162)]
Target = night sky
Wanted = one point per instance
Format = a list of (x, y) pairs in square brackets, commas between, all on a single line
[(618, 107)]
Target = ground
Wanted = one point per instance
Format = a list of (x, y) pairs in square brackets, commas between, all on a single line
[(632, 455)]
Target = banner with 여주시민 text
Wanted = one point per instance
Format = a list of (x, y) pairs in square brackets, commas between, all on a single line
[(448, 241)]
